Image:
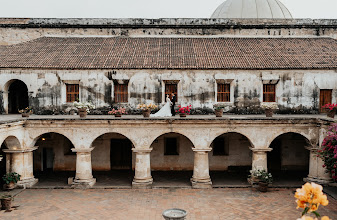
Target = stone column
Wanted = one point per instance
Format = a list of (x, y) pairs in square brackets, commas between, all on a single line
[(83, 178), (21, 162), (317, 173), (201, 178), (143, 178), (260, 158)]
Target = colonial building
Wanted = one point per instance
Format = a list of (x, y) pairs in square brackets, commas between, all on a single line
[(242, 57)]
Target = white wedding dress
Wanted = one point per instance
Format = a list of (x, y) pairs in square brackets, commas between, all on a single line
[(165, 111)]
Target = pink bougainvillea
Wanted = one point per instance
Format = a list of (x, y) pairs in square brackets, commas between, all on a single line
[(330, 107), (329, 152), (185, 110)]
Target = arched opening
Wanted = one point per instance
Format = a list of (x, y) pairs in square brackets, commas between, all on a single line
[(53, 161), (172, 160), (3, 158), (230, 159), (112, 160), (17, 96), (289, 159)]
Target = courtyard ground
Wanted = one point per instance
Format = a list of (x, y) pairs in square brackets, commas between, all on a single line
[(148, 204)]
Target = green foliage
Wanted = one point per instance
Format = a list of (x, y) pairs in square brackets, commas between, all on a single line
[(11, 177)]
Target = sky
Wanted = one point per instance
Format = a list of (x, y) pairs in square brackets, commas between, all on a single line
[(147, 8)]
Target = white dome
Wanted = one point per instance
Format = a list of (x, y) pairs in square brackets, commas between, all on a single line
[(252, 9)]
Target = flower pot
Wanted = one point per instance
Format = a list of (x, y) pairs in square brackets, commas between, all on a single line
[(9, 186), (25, 115), (82, 112), (263, 187), (331, 114), (182, 115), (146, 113), (218, 112), (269, 112), (118, 115), (6, 203)]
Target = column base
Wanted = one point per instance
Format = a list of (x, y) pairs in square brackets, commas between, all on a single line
[(317, 180), (142, 184), (27, 183), (201, 183), (83, 184)]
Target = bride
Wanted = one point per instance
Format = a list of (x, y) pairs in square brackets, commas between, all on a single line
[(165, 111)]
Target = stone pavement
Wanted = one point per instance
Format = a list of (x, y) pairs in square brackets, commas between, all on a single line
[(148, 204)]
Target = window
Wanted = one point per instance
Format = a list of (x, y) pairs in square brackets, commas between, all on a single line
[(171, 146), (325, 97), (223, 92), (221, 146), (121, 92), (72, 92), (269, 92), (169, 88)]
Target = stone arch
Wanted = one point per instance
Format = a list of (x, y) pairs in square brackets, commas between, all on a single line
[(12, 142), (40, 134), (172, 132), (230, 151), (53, 152), (113, 132), (271, 138), (111, 151), (287, 153), (219, 133), (172, 151), (15, 95)]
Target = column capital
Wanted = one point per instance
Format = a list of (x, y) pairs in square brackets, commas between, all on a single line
[(260, 150), (20, 150), (142, 150), (201, 150), (82, 150)]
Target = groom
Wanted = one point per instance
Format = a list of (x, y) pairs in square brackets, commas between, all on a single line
[(173, 101)]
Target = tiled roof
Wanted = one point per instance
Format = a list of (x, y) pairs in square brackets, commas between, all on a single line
[(171, 53)]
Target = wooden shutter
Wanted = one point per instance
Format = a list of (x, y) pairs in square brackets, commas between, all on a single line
[(223, 94), (269, 92), (121, 92), (325, 97), (169, 88), (72, 92)]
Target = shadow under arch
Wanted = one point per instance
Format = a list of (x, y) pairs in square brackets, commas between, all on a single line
[(15, 96), (11, 142), (289, 158)]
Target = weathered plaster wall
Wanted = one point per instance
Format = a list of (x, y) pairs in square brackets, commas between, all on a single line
[(297, 91), (14, 31)]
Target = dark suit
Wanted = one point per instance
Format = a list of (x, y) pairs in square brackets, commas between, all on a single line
[(173, 100)]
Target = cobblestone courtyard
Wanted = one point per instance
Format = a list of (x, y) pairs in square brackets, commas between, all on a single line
[(148, 204)]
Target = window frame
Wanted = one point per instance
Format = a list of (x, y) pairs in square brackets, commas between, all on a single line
[(227, 90), (121, 96), (73, 92), (266, 94), (170, 91)]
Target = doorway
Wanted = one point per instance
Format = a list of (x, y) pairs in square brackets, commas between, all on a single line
[(120, 154), (47, 159), (17, 97), (274, 159)]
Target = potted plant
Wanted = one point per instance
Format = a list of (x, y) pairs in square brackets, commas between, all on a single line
[(183, 111), (218, 108), (83, 108), (26, 111), (269, 108), (330, 109), (6, 202), (10, 180), (146, 108), (117, 112), (262, 177)]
